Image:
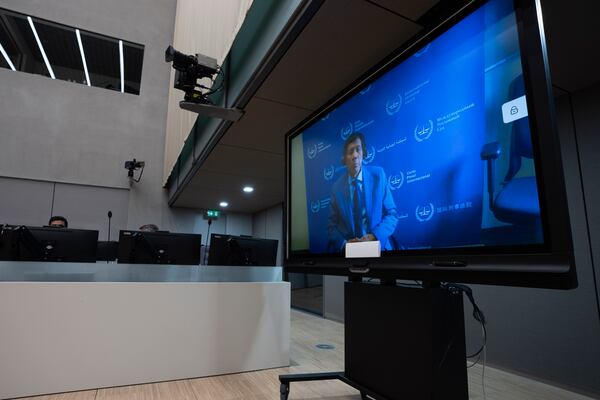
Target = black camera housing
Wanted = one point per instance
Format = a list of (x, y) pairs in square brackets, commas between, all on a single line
[(188, 69), (132, 165)]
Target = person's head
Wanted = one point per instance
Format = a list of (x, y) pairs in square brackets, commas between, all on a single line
[(149, 228), (355, 150), (58, 221)]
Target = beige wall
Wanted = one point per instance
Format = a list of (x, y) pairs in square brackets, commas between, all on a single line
[(201, 26)]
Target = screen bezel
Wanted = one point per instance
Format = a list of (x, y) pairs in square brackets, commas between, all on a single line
[(550, 264)]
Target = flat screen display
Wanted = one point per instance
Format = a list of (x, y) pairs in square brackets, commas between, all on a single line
[(435, 153)]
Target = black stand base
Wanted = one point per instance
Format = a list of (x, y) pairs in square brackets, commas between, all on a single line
[(400, 343), (285, 380)]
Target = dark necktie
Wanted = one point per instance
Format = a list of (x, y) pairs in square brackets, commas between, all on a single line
[(357, 210)]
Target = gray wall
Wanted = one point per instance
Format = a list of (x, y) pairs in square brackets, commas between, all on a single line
[(31, 202), (67, 142), (58, 131), (268, 224)]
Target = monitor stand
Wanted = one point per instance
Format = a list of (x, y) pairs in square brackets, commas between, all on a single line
[(400, 343)]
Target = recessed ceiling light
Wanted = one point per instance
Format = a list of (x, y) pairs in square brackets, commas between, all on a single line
[(7, 58), (223, 204), (122, 66), (39, 43), (248, 189), (85, 69)]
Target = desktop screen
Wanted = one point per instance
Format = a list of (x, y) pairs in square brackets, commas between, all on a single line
[(441, 144)]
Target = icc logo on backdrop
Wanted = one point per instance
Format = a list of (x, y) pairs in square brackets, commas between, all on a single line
[(423, 132), (424, 213), (422, 51), (396, 181), (328, 172), (365, 90), (315, 206), (311, 151), (346, 130), (392, 106), (370, 157)]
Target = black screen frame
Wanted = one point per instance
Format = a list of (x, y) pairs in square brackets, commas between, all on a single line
[(549, 265), (139, 247), (48, 244), (218, 246)]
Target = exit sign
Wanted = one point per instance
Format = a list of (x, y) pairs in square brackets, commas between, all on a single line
[(211, 214)]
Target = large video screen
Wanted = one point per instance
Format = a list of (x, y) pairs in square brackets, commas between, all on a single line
[(435, 153)]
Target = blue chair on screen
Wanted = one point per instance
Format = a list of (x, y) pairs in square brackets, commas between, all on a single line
[(517, 200)]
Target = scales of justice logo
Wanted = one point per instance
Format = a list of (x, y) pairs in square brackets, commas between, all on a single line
[(392, 106), (396, 181), (315, 206), (370, 156), (424, 213), (328, 172), (346, 130), (311, 151), (424, 131), (422, 51)]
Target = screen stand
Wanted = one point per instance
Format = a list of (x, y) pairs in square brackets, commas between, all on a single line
[(400, 343)]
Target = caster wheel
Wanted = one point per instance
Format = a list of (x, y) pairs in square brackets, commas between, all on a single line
[(284, 391)]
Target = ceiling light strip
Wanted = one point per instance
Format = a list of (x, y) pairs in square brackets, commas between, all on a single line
[(12, 66), (37, 39), (87, 75), (122, 65)]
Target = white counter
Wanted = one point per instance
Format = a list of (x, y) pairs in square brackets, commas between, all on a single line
[(65, 336)]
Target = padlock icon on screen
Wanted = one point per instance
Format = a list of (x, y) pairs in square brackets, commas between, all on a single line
[(514, 110)]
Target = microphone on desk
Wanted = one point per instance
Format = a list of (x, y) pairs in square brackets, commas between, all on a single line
[(109, 217)]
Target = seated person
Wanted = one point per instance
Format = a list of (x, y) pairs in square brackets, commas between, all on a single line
[(149, 228), (58, 221), (362, 208)]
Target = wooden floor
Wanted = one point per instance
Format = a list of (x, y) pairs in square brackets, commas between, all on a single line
[(307, 331)]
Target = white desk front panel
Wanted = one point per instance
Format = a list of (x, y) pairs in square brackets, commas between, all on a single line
[(65, 336)]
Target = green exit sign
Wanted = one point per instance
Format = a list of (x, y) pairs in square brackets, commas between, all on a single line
[(211, 214)]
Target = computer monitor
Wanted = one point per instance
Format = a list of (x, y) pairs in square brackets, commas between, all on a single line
[(31, 243), (444, 156), (241, 250), (159, 248)]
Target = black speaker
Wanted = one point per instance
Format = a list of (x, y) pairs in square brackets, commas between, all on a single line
[(404, 342)]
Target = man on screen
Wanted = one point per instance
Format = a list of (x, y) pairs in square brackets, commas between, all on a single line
[(362, 207)]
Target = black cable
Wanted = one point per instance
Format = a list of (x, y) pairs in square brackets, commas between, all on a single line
[(478, 315), (587, 223), (478, 352), (474, 362), (220, 73)]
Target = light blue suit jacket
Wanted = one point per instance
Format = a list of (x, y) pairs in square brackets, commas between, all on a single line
[(379, 204)]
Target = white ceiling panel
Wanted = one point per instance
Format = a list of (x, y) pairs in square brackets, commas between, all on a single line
[(208, 189), (342, 41), (240, 161), (264, 125)]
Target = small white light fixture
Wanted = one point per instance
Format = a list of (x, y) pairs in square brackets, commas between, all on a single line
[(87, 75), (122, 65), (10, 64), (248, 189), (39, 43), (223, 204)]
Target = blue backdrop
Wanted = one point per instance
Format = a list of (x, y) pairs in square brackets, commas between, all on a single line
[(424, 124)]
